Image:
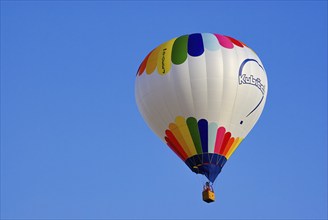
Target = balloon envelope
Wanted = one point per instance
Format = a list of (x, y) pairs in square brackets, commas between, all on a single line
[(202, 94)]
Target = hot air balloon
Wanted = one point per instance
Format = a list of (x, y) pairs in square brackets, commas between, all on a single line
[(202, 94)]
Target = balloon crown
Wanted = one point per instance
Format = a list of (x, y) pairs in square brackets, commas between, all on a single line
[(177, 49)]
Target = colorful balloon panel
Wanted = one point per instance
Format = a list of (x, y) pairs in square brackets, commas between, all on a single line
[(200, 138), (177, 50)]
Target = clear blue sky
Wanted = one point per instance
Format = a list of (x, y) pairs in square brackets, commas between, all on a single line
[(73, 144)]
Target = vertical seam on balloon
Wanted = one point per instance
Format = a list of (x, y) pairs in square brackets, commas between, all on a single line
[(191, 91), (141, 101), (168, 76), (172, 82), (162, 121), (248, 92), (237, 85), (207, 93), (146, 109), (206, 87), (148, 80), (221, 69), (246, 54)]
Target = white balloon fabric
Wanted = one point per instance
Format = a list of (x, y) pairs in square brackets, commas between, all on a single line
[(202, 94)]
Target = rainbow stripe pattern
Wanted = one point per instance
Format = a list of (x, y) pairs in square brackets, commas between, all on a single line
[(176, 51), (204, 147)]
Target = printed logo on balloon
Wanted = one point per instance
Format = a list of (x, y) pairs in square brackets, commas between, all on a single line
[(252, 79)]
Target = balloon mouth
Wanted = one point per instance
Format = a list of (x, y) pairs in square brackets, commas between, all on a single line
[(211, 171), (208, 164)]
